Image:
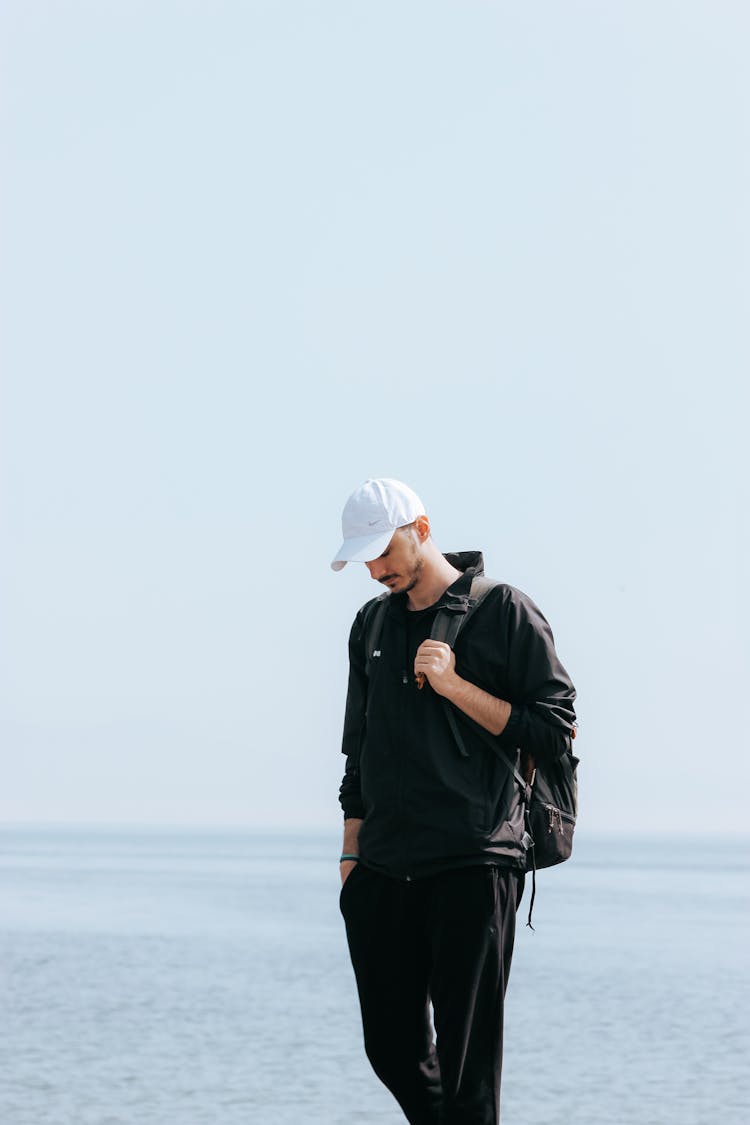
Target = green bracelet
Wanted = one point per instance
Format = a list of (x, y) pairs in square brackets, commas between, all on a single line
[(354, 857)]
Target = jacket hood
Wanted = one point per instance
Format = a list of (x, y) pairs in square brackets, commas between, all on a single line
[(466, 560), (470, 563)]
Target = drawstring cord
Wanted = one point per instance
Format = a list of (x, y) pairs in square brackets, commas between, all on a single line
[(533, 890), (527, 823)]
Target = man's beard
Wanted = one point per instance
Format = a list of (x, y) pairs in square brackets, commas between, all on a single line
[(414, 575), (413, 572)]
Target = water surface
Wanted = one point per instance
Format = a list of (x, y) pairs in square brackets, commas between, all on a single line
[(188, 978)]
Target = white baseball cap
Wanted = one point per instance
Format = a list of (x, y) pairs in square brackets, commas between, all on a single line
[(371, 515)]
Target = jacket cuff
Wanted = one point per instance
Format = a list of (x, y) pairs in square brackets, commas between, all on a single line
[(353, 809)]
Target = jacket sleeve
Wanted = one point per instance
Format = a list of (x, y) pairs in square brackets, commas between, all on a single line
[(350, 795), (542, 693)]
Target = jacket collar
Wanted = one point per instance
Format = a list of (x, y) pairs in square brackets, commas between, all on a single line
[(470, 563)]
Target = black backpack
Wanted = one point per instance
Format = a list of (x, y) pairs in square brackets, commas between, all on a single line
[(550, 792)]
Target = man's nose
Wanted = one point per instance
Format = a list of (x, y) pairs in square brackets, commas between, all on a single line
[(376, 568)]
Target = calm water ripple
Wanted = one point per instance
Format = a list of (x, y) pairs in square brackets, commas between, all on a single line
[(175, 978)]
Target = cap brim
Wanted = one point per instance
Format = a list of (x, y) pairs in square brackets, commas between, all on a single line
[(363, 549)]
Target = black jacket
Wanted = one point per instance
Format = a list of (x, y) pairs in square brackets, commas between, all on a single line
[(425, 806)]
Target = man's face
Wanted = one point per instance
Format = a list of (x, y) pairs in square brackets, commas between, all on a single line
[(400, 565)]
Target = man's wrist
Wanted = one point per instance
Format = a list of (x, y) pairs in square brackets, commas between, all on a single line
[(450, 688)]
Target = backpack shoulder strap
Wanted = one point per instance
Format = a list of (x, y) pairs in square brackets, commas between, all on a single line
[(374, 628), (448, 622), (450, 619)]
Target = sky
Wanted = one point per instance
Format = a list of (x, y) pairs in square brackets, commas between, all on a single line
[(254, 253)]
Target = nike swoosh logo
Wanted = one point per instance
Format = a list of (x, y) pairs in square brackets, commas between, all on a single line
[(371, 523)]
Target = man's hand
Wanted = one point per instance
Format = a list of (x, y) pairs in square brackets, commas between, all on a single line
[(350, 847), (345, 869), (437, 661)]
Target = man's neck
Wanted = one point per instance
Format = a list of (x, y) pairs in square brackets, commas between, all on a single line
[(437, 575)]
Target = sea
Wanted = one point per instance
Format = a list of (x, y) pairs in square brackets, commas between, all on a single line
[(196, 977)]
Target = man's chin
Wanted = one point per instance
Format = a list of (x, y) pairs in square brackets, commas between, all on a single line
[(397, 585), (401, 585)]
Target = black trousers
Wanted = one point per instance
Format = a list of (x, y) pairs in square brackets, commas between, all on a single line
[(447, 939)]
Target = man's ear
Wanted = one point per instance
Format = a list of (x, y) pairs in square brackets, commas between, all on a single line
[(422, 528)]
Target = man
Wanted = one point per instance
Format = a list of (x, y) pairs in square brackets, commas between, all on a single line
[(435, 843)]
